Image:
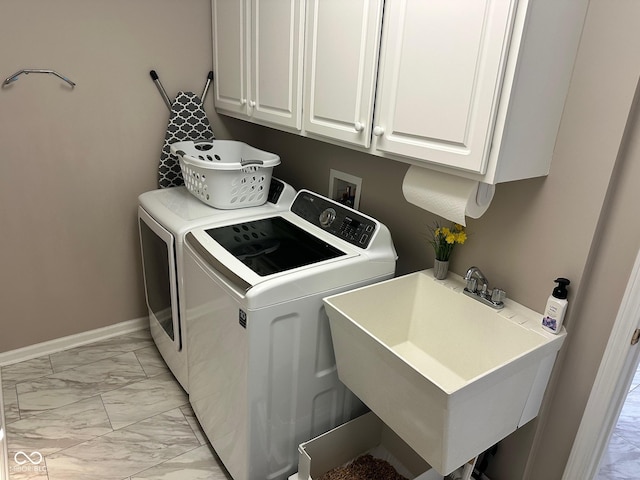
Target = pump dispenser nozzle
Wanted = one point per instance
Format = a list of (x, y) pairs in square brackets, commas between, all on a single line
[(561, 290)]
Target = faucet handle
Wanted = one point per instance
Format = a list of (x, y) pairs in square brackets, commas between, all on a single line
[(472, 285), (498, 295)]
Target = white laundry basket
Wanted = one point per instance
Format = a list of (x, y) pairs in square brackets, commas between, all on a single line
[(224, 173)]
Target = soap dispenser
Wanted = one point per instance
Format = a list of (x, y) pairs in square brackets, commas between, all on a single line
[(556, 307)]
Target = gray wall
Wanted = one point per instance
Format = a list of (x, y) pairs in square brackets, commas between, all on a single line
[(75, 161)]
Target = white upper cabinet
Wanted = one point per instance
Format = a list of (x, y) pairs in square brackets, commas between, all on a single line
[(277, 29), (341, 59), (257, 47), (230, 63), (473, 88), (440, 74)]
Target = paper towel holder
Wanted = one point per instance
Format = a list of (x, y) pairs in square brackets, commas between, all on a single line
[(447, 195), (484, 195)]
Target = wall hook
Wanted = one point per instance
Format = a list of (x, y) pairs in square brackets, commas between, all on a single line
[(27, 71)]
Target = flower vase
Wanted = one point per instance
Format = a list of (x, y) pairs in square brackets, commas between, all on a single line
[(440, 269)]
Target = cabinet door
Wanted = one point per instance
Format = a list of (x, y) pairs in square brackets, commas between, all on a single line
[(341, 60), (229, 18), (276, 61), (440, 75)]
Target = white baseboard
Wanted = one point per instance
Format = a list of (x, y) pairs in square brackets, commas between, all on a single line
[(4, 462), (65, 343)]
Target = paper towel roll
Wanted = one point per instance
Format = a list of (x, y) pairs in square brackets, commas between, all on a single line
[(447, 196)]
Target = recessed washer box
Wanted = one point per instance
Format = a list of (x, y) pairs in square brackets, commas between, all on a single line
[(365, 434)]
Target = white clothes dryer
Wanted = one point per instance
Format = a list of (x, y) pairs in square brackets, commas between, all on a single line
[(164, 217), (262, 372)]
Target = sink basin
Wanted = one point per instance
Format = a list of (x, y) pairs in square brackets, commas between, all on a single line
[(450, 375)]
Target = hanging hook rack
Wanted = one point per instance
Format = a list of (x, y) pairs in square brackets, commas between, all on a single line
[(27, 71)]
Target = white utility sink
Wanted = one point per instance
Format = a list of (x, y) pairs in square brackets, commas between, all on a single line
[(450, 375)]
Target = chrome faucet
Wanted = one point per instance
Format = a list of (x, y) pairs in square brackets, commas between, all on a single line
[(478, 288)]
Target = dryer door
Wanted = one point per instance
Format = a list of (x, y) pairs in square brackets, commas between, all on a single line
[(160, 279)]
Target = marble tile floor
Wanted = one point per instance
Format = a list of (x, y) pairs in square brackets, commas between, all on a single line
[(622, 459), (110, 410)]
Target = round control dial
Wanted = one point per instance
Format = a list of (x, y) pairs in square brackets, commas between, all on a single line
[(327, 217)]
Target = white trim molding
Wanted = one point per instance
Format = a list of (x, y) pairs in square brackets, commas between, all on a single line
[(4, 462), (610, 387), (65, 343)]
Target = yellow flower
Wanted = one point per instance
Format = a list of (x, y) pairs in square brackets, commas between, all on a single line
[(444, 239)]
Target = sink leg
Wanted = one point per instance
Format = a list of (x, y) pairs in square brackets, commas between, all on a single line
[(468, 469)]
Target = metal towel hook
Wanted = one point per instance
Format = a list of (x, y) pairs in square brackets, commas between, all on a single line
[(27, 71)]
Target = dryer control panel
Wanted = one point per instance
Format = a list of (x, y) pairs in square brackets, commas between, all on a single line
[(339, 220)]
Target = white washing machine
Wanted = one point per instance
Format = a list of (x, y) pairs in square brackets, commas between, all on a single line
[(164, 216), (262, 373)]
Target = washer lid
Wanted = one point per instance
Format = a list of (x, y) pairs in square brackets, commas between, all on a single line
[(177, 210), (272, 245)]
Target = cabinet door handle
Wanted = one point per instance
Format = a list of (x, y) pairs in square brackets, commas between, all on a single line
[(378, 131), (359, 126), (243, 101), (252, 103)]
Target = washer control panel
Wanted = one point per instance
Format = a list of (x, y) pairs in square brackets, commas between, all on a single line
[(339, 220)]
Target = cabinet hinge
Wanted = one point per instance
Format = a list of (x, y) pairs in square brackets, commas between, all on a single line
[(636, 336)]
